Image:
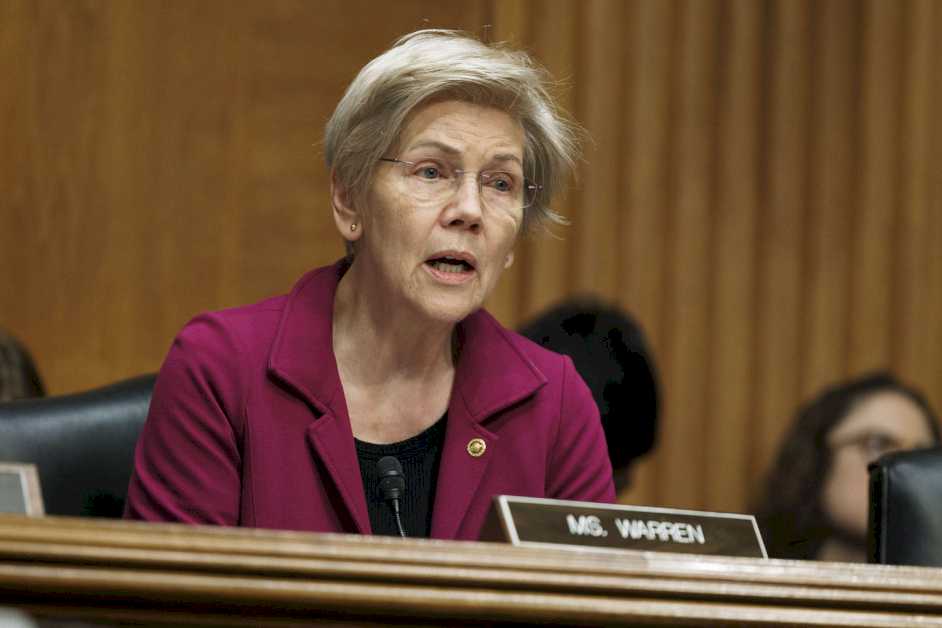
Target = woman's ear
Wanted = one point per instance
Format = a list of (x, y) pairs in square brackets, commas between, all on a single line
[(346, 216)]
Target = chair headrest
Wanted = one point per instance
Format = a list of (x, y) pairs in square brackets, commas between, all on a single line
[(82, 444), (906, 508)]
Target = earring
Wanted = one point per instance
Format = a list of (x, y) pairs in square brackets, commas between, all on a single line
[(353, 227)]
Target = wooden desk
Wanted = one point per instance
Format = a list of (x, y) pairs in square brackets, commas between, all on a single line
[(114, 572)]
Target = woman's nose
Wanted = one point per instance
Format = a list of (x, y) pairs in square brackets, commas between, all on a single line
[(466, 207)]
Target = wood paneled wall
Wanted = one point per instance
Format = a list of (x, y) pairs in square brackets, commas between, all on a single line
[(762, 188)]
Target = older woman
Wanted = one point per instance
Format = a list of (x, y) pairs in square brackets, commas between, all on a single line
[(442, 152)]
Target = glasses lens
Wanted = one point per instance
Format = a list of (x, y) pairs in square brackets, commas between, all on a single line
[(426, 183), (500, 190), (503, 190)]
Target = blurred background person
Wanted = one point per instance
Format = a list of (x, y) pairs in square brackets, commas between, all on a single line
[(816, 495), (19, 378), (610, 352)]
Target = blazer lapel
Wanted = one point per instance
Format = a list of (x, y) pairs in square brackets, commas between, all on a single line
[(460, 472), (302, 357), (491, 375), (332, 439)]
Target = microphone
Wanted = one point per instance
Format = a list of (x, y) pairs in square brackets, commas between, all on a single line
[(392, 484)]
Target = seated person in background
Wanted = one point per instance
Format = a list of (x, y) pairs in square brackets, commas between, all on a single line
[(609, 351), (442, 153), (19, 378), (815, 503)]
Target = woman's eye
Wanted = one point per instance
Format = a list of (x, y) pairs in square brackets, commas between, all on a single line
[(500, 181), (875, 445), (429, 172), (880, 443)]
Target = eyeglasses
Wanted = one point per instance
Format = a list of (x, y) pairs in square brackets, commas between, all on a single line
[(870, 445), (431, 182)]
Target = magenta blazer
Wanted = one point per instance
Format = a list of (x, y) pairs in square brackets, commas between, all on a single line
[(248, 425)]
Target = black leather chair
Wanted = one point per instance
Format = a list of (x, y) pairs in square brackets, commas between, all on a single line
[(906, 508), (82, 444)]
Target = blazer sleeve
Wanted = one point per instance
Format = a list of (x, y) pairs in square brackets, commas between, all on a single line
[(187, 465), (579, 467)]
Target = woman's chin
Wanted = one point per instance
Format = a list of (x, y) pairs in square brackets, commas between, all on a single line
[(448, 310)]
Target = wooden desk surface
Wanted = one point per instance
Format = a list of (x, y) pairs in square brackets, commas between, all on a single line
[(147, 574)]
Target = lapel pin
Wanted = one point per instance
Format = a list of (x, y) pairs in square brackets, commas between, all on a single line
[(476, 447)]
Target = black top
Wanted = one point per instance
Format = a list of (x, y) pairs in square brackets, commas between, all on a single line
[(419, 457)]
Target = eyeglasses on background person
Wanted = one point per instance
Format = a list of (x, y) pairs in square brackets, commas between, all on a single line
[(870, 445)]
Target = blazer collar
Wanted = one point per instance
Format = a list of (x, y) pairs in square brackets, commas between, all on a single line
[(302, 353), (492, 373)]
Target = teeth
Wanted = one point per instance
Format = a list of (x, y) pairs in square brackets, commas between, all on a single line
[(449, 268)]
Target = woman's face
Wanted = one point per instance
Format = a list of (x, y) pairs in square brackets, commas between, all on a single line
[(879, 424), (444, 257)]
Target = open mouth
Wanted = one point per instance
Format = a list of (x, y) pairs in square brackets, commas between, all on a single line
[(450, 265)]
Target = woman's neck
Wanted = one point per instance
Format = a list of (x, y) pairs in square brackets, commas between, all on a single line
[(396, 367), (374, 340)]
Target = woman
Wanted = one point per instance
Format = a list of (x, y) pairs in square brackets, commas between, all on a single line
[(816, 495), (442, 152)]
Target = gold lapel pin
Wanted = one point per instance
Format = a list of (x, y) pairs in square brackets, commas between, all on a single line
[(476, 447)]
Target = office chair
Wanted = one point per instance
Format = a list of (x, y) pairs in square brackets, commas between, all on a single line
[(906, 508), (82, 444)]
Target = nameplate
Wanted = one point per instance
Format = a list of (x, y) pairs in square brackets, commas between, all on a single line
[(533, 521), (19, 490)]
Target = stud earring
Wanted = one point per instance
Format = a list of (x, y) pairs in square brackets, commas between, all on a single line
[(353, 226)]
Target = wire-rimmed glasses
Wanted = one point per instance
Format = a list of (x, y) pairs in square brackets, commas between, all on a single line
[(871, 445), (431, 182)]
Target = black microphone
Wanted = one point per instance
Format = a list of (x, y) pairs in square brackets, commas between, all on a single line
[(392, 484)]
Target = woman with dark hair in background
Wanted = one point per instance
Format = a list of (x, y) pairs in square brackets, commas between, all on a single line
[(19, 378), (815, 503)]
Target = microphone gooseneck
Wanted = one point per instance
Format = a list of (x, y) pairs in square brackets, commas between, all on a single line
[(392, 484)]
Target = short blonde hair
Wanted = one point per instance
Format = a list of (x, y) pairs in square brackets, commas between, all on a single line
[(441, 64)]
